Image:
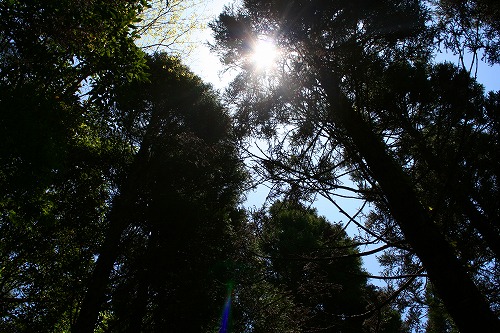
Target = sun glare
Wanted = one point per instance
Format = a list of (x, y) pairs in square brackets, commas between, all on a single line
[(264, 54)]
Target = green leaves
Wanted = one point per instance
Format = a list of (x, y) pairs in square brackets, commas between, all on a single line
[(59, 164), (175, 204), (309, 258)]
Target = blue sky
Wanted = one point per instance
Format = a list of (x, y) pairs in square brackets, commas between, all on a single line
[(488, 76)]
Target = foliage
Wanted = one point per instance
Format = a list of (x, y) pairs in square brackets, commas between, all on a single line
[(59, 162), (176, 248), (469, 28), (317, 265), (416, 154), (72, 137), (303, 274), (168, 25), (437, 318)]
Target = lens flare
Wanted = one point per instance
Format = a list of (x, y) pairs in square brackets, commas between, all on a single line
[(224, 323), (264, 54)]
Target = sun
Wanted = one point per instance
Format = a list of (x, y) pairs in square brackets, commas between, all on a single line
[(264, 54)]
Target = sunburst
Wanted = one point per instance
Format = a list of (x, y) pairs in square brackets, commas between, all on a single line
[(264, 54)]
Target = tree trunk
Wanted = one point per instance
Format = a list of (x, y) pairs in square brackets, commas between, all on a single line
[(120, 217), (96, 289), (140, 301), (459, 294)]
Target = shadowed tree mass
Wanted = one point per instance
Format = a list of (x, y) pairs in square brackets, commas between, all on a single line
[(356, 94), (122, 174)]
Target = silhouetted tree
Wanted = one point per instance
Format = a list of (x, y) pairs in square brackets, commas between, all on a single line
[(58, 159), (321, 114), (171, 223)]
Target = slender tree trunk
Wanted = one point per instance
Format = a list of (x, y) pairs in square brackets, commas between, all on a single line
[(96, 289), (120, 217), (140, 302), (461, 297)]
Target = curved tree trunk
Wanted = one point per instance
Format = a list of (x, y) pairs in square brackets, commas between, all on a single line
[(459, 294)]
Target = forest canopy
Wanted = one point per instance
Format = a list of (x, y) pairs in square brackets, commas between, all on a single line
[(123, 175)]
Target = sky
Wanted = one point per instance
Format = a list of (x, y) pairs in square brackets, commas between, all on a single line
[(206, 65), (201, 61)]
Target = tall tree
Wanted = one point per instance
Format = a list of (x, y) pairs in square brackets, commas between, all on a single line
[(170, 224), (334, 54), (58, 159), (453, 163), (317, 264), (299, 273)]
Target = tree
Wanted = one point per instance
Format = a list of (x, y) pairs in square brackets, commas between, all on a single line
[(257, 304), (334, 56), (317, 264), (79, 160), (167, 25), (58, 158), (438, 320), (170, 225), (299, 273), (450, 161), (469, 28)]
